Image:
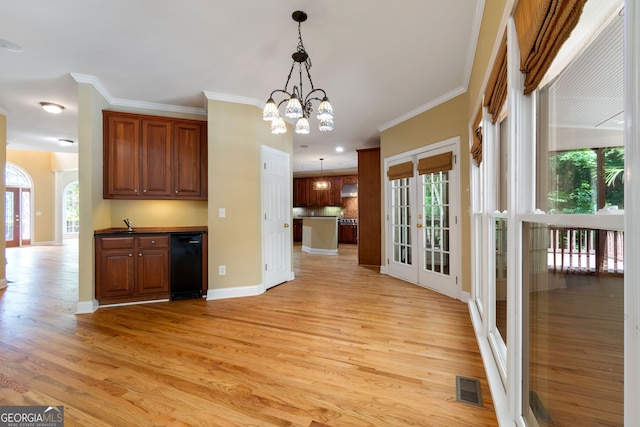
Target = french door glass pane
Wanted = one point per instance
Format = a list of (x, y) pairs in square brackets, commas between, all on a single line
[(8, 215), (435, 230), (401, 221), (25, 214)]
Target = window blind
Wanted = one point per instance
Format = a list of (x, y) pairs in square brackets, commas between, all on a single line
[(402, 170), (542, 27), (434, 164)]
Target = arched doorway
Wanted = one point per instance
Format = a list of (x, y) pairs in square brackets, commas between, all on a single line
[(17, 207)]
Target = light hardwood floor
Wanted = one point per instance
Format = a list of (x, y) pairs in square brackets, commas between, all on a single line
[(341, 345)]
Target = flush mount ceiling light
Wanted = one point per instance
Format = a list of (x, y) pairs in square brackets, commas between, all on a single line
[(11, 47), (298, 104), (52, 108)]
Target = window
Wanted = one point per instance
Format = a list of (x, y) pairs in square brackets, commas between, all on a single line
[(71, 209)]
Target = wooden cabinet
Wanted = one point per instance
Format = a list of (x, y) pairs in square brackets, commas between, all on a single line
[(369, 210), (347, 233), (154, 157), (297, 230), (300, 192), (132, 268), (305, 194)]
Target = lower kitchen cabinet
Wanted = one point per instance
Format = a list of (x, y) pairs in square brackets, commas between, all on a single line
[(347, 233), (297, 230), (132, 268)]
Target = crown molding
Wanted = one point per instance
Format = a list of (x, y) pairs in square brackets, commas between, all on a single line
[(216, 96), (97, 84)]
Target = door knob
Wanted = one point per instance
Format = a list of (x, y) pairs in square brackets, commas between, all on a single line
[(286, 226), (419, 225)]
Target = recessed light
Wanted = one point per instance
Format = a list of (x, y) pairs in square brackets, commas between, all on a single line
[(52, 108), (339, 149), (11, 47), (65, 141), (304, 146)]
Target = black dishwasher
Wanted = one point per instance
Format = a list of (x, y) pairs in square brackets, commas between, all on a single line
[(186, 265)]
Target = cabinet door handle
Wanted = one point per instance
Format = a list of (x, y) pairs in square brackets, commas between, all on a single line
[(130, 254), (139, 253), (153, 242), (144, 191), (176, 191), (135, 191)]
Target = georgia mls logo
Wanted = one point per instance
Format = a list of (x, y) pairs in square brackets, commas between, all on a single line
[(31, 416)]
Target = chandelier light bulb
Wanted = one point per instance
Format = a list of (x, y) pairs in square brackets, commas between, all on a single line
[(294, 108), (270, 112), (302, 126), (325, 110), (326, 125), (278, 126)]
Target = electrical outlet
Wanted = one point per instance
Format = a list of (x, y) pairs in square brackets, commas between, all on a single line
[(222, 270)]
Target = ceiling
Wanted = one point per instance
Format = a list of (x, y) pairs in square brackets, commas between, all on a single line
[(380, 62)]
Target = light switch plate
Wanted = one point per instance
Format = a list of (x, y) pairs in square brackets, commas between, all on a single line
[(222, 212)]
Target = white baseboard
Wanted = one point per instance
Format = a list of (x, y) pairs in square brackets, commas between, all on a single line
[(87, 307), (238, 292), (498, 393), (316, 251)]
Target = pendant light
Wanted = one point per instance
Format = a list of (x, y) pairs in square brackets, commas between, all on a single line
[(322, 184)]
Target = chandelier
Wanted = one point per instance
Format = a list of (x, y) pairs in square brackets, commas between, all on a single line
[(299, 105)]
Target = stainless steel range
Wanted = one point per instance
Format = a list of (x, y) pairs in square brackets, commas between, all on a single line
[(348, 221)]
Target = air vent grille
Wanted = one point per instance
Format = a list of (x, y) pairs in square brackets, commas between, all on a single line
[(468, 390)]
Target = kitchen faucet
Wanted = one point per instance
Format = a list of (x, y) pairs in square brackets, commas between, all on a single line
[(128, 224)]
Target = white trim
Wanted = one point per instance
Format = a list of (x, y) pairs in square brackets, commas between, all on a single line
[(498, 395), (3, 283), (471, 49), (600, 221), (238, 292), (316, 251), (632, 208), (102, 90), (87, 307), (216, 96)]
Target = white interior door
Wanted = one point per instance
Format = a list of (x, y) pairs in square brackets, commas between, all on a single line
[(276, 214), (423, 220)]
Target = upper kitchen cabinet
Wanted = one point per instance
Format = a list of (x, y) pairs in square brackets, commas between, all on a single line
[(154, 157)]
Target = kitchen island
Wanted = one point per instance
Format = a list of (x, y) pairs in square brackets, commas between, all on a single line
[(320, 235)]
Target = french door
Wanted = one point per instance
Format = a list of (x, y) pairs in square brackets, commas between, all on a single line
[(276, 213), (423, 219), (17, 218)]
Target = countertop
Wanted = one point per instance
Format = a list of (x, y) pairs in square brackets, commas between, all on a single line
[(151, 230)]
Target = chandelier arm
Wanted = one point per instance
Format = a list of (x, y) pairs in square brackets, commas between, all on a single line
[(293, 64), (280, 91), (310, 98)]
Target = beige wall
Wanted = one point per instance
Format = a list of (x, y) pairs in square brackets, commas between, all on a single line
[(3, 157), (236, 134), (452, 119)]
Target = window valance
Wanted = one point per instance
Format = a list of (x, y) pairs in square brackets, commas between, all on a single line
[(434, 164), (496, 91), (476, 148), (402, 170)]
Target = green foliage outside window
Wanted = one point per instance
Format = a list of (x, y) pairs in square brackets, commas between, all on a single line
[(573, 180)]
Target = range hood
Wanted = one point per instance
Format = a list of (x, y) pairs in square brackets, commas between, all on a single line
[(349, 190)]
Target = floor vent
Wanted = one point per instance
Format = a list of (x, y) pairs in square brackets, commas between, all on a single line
[(468, 390), (538, 409)]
